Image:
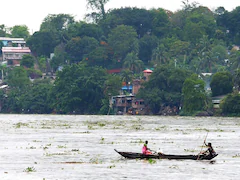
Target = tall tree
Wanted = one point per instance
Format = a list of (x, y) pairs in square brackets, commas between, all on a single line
[(146, 45), (42, 43), (57, 25), (194, 95), (20, 31), (99, 7), (139, 19), (80, 89), (122, 39)]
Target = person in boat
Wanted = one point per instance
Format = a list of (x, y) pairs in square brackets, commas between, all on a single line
[(145, 149), (209, 150)]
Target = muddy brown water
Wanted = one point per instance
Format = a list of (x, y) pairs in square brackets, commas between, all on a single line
[(59, 147)]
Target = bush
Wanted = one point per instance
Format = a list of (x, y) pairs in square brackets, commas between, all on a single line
[(231, 105)]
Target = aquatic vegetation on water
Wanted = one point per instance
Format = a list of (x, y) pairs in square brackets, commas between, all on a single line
[(201, 129), (101, 124), (174, 167), (137, 127), (140, 141), (95, 161), (57, 154), (29, 169), (236, 156), (86, 150), (161, 128), (190, 150), (152, 161), (60, 146), (18, 125), (112, 166)]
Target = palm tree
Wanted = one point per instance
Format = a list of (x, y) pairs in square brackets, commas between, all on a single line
[(158, 55), (132, 62), (205, 53)]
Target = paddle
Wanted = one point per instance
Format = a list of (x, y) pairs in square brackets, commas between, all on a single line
[(202, 145), (155, 152)]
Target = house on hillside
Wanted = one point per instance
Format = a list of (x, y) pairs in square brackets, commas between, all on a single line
[(127, 103), (13, 50)]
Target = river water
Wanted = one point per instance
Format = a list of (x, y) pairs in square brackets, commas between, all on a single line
[(59, 147)]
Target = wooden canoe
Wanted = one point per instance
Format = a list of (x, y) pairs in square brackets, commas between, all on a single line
[(132, 155)]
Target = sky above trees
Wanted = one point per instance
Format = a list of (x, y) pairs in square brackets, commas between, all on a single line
[(31, 13)]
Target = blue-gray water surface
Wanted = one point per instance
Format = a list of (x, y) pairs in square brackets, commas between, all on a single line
[(60, 147)]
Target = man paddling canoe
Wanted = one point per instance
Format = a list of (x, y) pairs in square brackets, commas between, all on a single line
[(210, 149)]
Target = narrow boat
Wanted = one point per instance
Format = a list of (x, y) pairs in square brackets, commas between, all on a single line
[(132, 155)]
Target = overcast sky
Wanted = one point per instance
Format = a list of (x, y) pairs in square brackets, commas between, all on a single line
[(32, 12)]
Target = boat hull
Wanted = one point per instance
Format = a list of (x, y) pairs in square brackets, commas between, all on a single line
[(132, 155)]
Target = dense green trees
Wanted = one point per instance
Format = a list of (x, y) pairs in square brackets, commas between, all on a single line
[(194, 95), (20, 31), (42, 43), (164, 88), (78, 48), (172, 43), (221, 84), (18, 78), (79, 89), (231, 105), (122, 40), (27, 61)]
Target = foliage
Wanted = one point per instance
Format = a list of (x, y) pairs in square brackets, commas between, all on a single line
[(59, 59), (139, 19), (57, 25), (37, 99), (79, 89), (2, 30), (122, 39), (146, 45), (194, 95), (27, 61), (42, 43), (82, 29), (42, 62), (164, 87), (18, 78), (78, 48), (221, 83), (230, 105), (20, 31), (99, 6), (192, 38), (133, 63), (160, 22)]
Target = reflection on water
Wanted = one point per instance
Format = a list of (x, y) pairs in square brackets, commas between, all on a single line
[(82, 147)]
